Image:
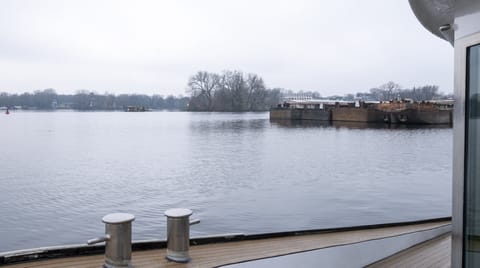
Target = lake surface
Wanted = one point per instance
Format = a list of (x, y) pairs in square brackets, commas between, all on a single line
[(61, 172)]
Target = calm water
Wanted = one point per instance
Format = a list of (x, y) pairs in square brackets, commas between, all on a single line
[(61, 172)]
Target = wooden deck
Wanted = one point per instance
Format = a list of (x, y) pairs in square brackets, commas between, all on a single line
[(433, 253), (217, 254)]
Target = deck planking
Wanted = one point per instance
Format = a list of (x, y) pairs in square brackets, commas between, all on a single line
[(432, 253), (218, 254)]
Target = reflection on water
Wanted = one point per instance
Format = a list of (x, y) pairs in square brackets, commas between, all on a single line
[(352, 125), (300, 123), (234, 125), (61, 172)]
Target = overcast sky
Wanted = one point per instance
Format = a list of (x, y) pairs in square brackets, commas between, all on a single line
[(152, 47)]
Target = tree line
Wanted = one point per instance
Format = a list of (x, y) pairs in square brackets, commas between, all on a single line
[(385, 92), (85, 100), (392, 90), (228, 91)]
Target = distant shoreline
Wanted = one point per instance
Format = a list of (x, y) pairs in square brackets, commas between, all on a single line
[(123, 111)]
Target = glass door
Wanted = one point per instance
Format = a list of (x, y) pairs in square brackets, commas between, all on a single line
[(471, 236)]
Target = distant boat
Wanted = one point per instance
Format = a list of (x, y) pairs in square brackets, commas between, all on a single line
[(136, 109)]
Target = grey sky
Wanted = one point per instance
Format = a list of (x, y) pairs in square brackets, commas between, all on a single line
[(334, 47)]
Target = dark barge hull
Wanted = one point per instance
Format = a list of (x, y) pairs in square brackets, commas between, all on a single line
[(300, 114), (366, 115)]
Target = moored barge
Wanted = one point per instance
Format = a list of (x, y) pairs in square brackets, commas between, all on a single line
[(393, 112)]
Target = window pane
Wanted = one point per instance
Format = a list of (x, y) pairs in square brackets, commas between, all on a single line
[(472, 153)]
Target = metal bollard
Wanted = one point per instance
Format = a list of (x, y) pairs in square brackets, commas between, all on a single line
[(178, 234), (118, 240)]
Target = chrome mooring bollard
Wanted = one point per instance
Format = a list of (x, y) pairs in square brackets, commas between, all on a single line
[(118, 240), (178, 234)]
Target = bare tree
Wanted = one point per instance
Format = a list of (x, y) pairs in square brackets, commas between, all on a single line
[(256, 92), (391, 90), (202, 87), (234, 83), (387, 91)]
